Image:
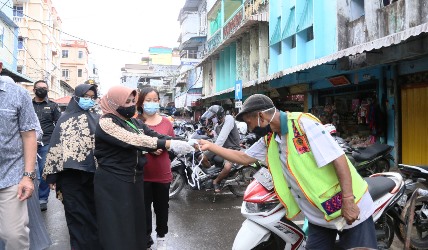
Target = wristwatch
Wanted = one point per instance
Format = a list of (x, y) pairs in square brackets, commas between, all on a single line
[(31, 175)]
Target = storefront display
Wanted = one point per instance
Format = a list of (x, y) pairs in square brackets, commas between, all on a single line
[(357, 116)]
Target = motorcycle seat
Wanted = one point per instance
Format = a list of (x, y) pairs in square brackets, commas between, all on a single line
[(418, 171), (370, 152), (379, 185), (212, 170)]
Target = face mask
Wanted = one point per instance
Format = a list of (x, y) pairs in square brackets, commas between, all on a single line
[(263, 131), (151, 108), (126, 112), (41, 92), (214, 120), (86, 103)]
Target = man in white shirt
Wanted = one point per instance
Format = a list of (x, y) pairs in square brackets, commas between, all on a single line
[(263, 118)]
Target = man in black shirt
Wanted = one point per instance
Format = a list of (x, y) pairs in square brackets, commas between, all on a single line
[(48, 113)]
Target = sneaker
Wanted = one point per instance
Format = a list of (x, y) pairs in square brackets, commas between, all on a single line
[(161, 243), (43, 207)]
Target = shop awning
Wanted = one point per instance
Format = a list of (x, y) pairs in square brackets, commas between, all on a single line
[(386, 41), (15, 75), (193, 42)]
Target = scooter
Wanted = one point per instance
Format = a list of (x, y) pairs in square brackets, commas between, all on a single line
[(266, 226)]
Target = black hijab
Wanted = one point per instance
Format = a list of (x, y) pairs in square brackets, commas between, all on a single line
[(72, 142)]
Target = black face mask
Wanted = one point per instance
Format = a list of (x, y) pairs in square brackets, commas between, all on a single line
[(41, 92), (262, 131), (126, 112)]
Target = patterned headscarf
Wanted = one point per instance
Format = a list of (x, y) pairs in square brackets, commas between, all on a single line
[(116, 97)]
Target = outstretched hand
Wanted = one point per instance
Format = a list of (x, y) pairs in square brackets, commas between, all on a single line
[(205, 145)]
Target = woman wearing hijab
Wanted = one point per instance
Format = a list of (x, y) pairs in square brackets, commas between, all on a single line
[(121, 143), (157, 172), (70, 167)]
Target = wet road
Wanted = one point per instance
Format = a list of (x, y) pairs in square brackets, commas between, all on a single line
[(196, 222)]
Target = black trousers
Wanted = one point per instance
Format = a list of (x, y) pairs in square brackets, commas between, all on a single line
[(158, 194), (77, 188)]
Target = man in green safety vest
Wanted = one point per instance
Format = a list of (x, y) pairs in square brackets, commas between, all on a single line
[(310, 173)]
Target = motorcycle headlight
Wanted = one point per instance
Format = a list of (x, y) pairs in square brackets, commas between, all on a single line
[(260, 207)]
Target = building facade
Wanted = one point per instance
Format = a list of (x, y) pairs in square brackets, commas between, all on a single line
[(193, 25), (237, 49), (39, 42), (360, 65), (75, 68), (9, 44)]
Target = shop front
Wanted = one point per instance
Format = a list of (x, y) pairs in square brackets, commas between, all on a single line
[(354, 110)]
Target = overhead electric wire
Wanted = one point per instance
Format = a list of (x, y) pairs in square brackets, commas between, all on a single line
[(79, 38)]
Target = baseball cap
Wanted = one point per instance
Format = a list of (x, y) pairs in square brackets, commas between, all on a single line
[(256, 102)]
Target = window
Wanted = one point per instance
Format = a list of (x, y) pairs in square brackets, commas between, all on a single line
[(20, 43), (65, 54), (310, 33), (65, 73), (293, 41), (1, 36), (357, 9), (80, 54), (79, 72), (18, 11)]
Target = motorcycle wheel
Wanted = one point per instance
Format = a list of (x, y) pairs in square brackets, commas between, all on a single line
[(243, 176), (273, 243), (385, 224), (419, 237), (177, 184)]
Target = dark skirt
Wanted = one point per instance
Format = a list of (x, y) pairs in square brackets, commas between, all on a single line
[(120, 211)]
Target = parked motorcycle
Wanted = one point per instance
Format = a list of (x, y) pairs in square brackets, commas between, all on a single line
[(416, 176), (266, 226), (375, 158)]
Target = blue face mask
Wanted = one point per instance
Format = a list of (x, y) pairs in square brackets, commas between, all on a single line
[(151, 108), (86, 103)]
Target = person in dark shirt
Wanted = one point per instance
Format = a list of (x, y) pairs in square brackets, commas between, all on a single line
[(48, 113)]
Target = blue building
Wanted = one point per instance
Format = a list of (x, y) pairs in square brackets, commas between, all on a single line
[(9, 43), (358, 64)]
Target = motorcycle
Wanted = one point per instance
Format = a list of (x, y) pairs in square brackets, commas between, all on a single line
[(266, 226), (373, 159), (187, 169), (416, 176)]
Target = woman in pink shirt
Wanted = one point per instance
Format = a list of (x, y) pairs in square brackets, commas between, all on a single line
[(157, 171)]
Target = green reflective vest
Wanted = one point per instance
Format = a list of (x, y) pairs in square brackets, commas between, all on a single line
[(319, 185)]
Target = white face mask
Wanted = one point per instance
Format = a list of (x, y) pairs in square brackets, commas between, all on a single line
[(214, 120)]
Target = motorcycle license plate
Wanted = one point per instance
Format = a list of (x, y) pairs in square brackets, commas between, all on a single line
[(264, 177)]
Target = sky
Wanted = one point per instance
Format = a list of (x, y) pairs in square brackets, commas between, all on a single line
[(133, 25)]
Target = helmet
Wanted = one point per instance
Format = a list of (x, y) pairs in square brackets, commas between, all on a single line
[(213, 111), (330, 128)]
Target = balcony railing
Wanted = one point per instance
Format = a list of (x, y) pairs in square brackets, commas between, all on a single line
[(243, 13)]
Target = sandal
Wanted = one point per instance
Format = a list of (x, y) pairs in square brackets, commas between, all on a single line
[(217, 187)]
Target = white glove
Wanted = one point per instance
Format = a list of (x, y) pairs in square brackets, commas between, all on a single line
[(192, 142), (181, 147)]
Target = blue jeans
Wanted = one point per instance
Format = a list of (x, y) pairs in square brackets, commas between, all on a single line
[(43, 186)]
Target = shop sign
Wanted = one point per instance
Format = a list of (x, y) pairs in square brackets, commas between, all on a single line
[(339, 80), (214, 41), (232, 25)]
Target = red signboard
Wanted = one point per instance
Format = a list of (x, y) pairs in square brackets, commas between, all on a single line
[(232, 25)]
